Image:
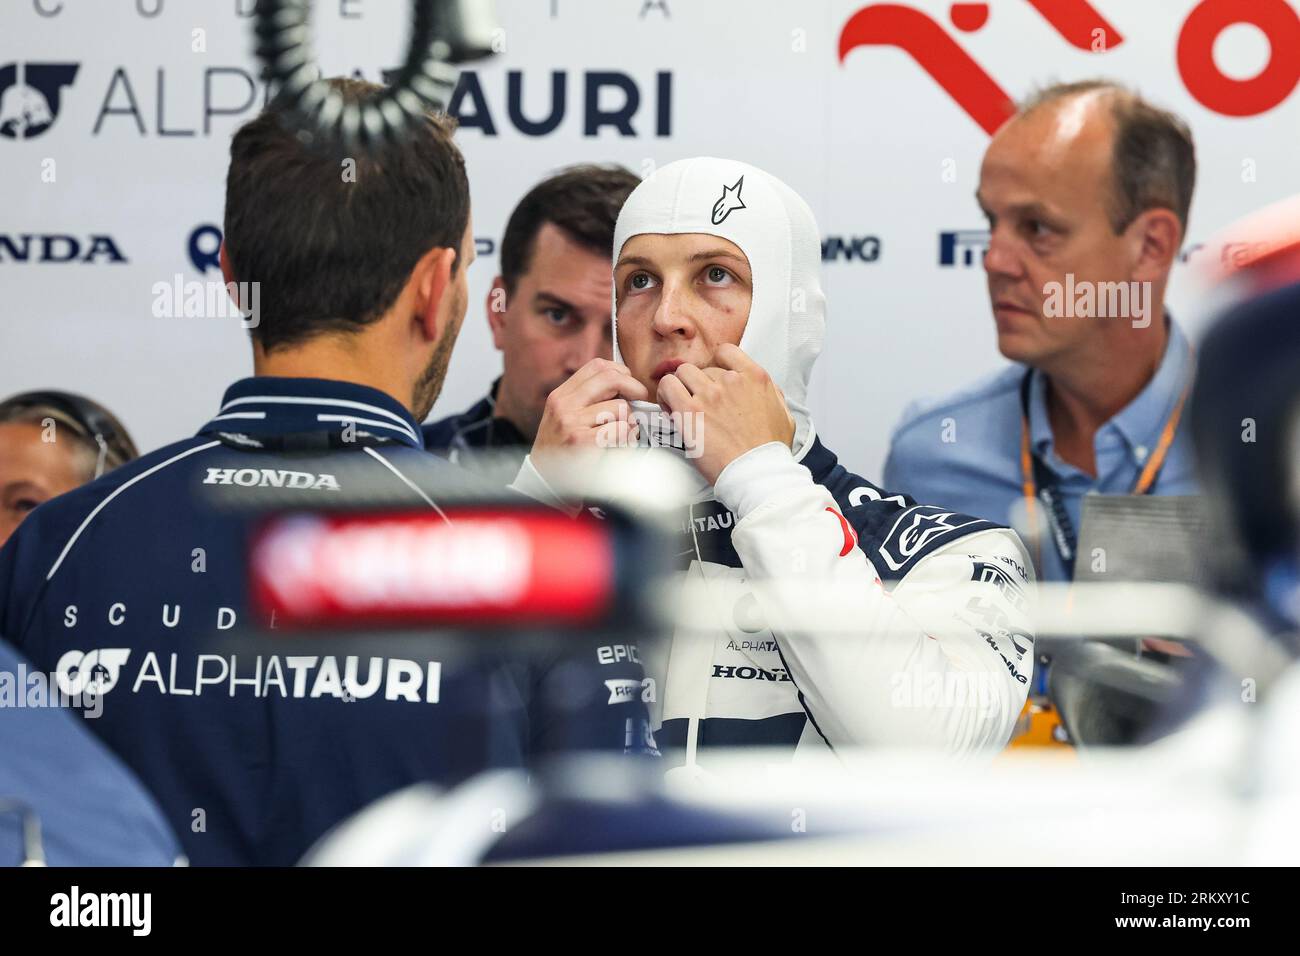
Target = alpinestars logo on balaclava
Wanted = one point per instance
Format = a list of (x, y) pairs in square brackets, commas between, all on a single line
[(729, 202)]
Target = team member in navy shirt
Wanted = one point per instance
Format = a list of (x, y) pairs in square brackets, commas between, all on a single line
[(128, 587)]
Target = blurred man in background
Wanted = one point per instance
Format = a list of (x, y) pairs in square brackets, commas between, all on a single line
[(1087, 192), (129, 588), (549, 310), (52, 442)]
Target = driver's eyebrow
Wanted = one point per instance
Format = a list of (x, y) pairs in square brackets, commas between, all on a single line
[(716, 254), (633, 261)]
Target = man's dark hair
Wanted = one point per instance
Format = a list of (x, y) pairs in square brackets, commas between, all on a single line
[(583, 201), (1154, 162), (332, 239)]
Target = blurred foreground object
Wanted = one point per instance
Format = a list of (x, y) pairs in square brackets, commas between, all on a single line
[(1246, 416), (1215, 793), (363, 560)]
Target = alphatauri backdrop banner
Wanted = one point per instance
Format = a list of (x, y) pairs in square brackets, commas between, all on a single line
[(116, 117)]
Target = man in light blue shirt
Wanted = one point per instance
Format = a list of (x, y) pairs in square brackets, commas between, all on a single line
[(1086, 191), (65, 799)]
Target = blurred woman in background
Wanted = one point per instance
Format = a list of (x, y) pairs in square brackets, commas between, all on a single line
[(50, 443)]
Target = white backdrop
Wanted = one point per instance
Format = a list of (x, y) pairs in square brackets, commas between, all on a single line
[(137, 152)]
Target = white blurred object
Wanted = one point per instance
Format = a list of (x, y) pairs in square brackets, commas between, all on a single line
[(424, 826), (1217, 792), (1274, 836), (1220, 790)]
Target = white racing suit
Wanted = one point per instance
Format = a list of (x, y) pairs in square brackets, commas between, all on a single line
[(930, 642)]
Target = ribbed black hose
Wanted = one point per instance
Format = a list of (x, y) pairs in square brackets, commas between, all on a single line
[(425, 81)]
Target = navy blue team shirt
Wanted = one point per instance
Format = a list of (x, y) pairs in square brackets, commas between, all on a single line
[(131, 586)]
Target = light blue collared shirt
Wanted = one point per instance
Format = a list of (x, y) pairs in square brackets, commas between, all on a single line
[(963, 451)]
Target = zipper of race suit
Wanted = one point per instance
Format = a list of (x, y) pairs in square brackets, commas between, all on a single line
[(693, 721)]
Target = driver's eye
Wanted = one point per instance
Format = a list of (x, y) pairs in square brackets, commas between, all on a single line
[(717, 274), (639, 280)]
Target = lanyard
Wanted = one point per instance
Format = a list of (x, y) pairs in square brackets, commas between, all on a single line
[(1038, 482)]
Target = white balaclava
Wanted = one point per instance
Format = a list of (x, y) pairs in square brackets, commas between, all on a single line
[(776, 231)]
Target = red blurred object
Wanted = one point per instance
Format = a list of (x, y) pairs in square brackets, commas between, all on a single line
[(479, 567), (1261, 251)]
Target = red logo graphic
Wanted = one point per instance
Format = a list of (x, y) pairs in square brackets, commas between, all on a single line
[(1223, 94), (850, 539), (1083, 27)]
